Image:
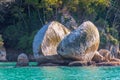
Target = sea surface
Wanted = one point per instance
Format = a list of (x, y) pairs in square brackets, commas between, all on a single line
[(9, 72)]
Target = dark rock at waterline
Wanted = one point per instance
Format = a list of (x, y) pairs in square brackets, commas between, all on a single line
[(47, 39), (49, 64), (81, 43), (22, 60), (82, 63), (112, 63), (53, 59)]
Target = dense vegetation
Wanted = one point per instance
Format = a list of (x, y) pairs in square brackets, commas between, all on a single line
[(20, 20)]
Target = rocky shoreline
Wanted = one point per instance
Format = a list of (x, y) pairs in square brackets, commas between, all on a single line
[(57, 45), (79, 47)]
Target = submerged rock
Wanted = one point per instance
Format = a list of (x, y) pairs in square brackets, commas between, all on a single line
[(22, 60), (47, 39), (81, 43)]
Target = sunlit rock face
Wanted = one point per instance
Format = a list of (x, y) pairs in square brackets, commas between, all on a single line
[(47, 39), (81, 43)]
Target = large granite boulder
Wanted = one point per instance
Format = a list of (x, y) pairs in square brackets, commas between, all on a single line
[(47, 39), (81, 43), (22, 60)]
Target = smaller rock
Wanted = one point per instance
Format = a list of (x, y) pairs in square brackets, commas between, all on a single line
[(115, 59), (22, 60), (105, 53), (97, 57), (112, 63), (81, 63)]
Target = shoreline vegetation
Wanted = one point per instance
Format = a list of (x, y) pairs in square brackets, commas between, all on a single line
[(60, 33)]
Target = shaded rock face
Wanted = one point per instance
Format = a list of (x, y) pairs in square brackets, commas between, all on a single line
[(22, 60), (2, 54), (47, 39), (113, 63), (114, 51), (54, 59), (68, 20), (82, 63), (113, 48), (81, 43)]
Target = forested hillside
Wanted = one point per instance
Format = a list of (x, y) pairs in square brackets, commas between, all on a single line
[(21, 19)]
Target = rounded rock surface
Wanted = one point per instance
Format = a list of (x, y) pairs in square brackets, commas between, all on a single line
[(22, 60), (47, 39), (81, 43)]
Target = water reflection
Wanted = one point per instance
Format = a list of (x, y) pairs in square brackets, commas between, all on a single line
[(60, 73)]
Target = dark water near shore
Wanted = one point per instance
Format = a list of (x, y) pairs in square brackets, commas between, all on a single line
[(8, 72)]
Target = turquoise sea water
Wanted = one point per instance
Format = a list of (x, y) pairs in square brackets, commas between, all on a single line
[(8, 72)]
